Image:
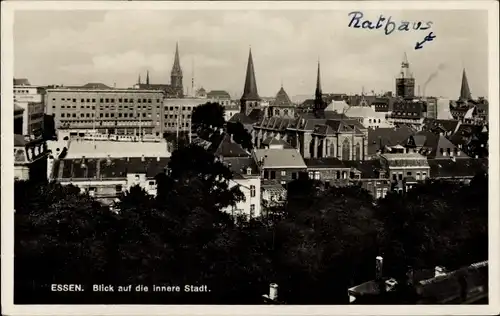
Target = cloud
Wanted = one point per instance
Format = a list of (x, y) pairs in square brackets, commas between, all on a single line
[(114, 46)]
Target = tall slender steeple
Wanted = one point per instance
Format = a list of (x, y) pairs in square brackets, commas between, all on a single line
[(318, 95), (147, 77), (176, 74), (250, 97), (465, 94)]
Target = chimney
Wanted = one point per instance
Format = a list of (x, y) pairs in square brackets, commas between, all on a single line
[(379, 266), (273, 291), (143, 158), (439, 271)]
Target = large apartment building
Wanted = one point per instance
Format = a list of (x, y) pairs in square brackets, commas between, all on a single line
[(178, 112), (106, 110)]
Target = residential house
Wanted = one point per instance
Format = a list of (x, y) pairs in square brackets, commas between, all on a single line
[(330, 170), (383, 140), (472, 139), (30, 158), (458, 170), (405, 169), (273, 194), (366, 115), (280, 164), (371, 175), (447, 127), (433, 146), (106, 178)]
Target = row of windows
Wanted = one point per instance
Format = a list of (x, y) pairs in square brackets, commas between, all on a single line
[(169, 124), (124, 115), (109, 100), (107, 107), (449, 152), (272, 174), (172, 116), (406, 113), (374, 121), (418, 175)]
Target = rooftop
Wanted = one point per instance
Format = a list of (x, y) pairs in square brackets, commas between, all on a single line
[(100, 149), (324, 163), (228, 148), (279, 158), (404, 156), (103, 168), (447, 168)]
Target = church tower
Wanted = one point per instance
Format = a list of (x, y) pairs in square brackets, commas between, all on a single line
[(319, 104), (176, 75), (465, 94), (250, 98), (405, 83)]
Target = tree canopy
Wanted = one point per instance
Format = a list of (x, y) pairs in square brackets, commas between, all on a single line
[(240, 135), (325, 242), (207, 118)]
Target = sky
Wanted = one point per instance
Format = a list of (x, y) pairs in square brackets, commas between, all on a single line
[(114, 47)]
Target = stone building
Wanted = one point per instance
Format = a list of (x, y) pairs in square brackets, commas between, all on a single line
[(317, 137)]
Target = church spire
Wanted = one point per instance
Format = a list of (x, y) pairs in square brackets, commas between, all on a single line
[(250, 89), (465, 94), (176, 74), (318, 96), (147, 77)]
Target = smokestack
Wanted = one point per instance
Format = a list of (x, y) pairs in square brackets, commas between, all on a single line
[(379, 267), (273, 291)]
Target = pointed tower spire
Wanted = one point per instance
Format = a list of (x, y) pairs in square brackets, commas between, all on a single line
[(176, 74), (250, 92), (465, 94), (318, 96), (147, 77)]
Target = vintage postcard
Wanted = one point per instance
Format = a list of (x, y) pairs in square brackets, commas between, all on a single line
[(254, 158)]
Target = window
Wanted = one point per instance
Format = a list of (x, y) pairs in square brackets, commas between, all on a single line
[(424, 175), (74, 115), (125, 114), (273, 174), (106, 115), (283, 173), (400, 176), (118, 188), (394, 177), (418, 175), (101, 100), (266, 174), (151, 183), (408, 174), (112, 100), (112, 114), (149, 100), (138, 100), (125, 100), (74, 100), (316, 175), (101, 115), (252, 191), (283, 182)]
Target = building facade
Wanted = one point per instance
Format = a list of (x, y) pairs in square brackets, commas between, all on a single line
[(178, 113), (30, 99), (107, 110), (30, 158)]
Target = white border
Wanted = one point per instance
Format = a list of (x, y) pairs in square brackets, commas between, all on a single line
[(7, 15)]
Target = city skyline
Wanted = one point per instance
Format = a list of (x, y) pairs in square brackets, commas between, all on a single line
[(76, 47)]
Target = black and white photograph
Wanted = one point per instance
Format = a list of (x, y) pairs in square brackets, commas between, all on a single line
[(211, 154)]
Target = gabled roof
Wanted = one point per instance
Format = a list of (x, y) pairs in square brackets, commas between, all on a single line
[(445, 125), (381, 137), (273, 141), (279, 158), (282, 99), (228, 148), (239, 165), (447, 168), (218, 94), (434, 145), (18, 109), (324, 163), (369, 168), (95, 85), (242, 118)]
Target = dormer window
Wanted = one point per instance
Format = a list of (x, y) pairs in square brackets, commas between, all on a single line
[(249, 171)]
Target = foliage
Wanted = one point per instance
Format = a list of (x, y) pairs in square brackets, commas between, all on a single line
[(240, 135), (324, 240), (207, 119)]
